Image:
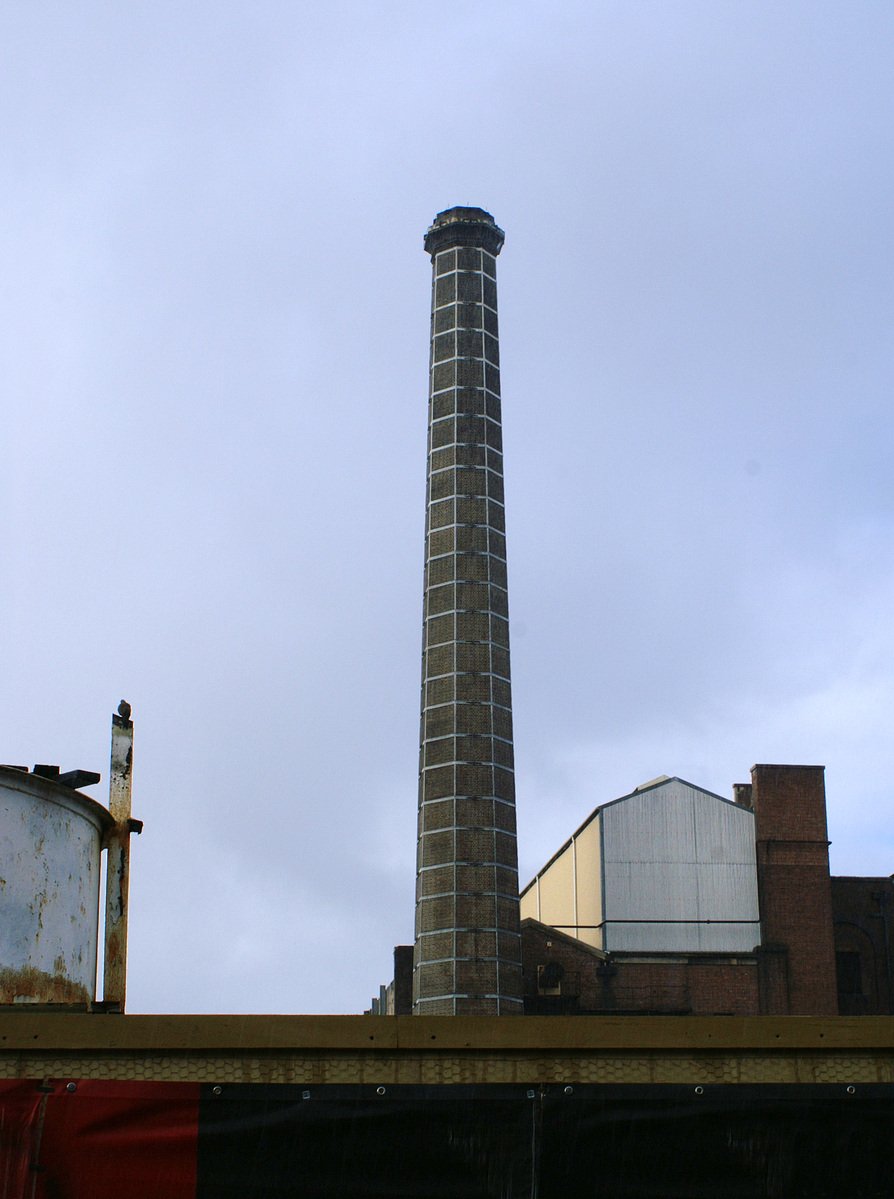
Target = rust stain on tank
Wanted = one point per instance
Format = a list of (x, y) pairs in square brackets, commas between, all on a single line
[(37, 986)]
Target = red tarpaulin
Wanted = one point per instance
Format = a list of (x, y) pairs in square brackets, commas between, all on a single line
[(91, 1140)]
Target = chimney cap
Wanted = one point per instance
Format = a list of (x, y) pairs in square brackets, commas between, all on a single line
[(464, 226)]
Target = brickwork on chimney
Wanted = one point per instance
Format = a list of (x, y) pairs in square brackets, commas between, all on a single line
[(467, 957), (794, 891)]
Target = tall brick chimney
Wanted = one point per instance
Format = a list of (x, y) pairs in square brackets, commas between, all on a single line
[(797, 954), (467, 956)]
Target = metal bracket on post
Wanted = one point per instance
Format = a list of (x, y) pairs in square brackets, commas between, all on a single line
[(118, 861)]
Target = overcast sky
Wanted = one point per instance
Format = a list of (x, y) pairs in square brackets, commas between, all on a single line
[(214, 361)]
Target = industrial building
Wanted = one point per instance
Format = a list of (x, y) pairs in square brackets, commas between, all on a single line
[(696, 935), (675, 901), (672, 900), (669, 900)]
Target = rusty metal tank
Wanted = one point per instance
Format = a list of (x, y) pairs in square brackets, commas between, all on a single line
[(51, 838)]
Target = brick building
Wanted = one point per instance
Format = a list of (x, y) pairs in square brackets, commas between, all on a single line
[(691, 921)]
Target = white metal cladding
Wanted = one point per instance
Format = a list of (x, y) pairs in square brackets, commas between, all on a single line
[(50, 844), (679, 872)]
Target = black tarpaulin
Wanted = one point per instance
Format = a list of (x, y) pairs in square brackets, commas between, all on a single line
[(555, 1142)]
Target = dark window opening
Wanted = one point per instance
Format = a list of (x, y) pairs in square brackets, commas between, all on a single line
[(850, 977)]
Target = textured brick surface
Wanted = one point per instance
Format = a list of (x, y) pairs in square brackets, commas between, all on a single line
[(794, 890), (660, 984), (466, 781)]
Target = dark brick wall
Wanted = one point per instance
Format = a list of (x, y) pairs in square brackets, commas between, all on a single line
[(863, 912), (403, 980), (664, 984)]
